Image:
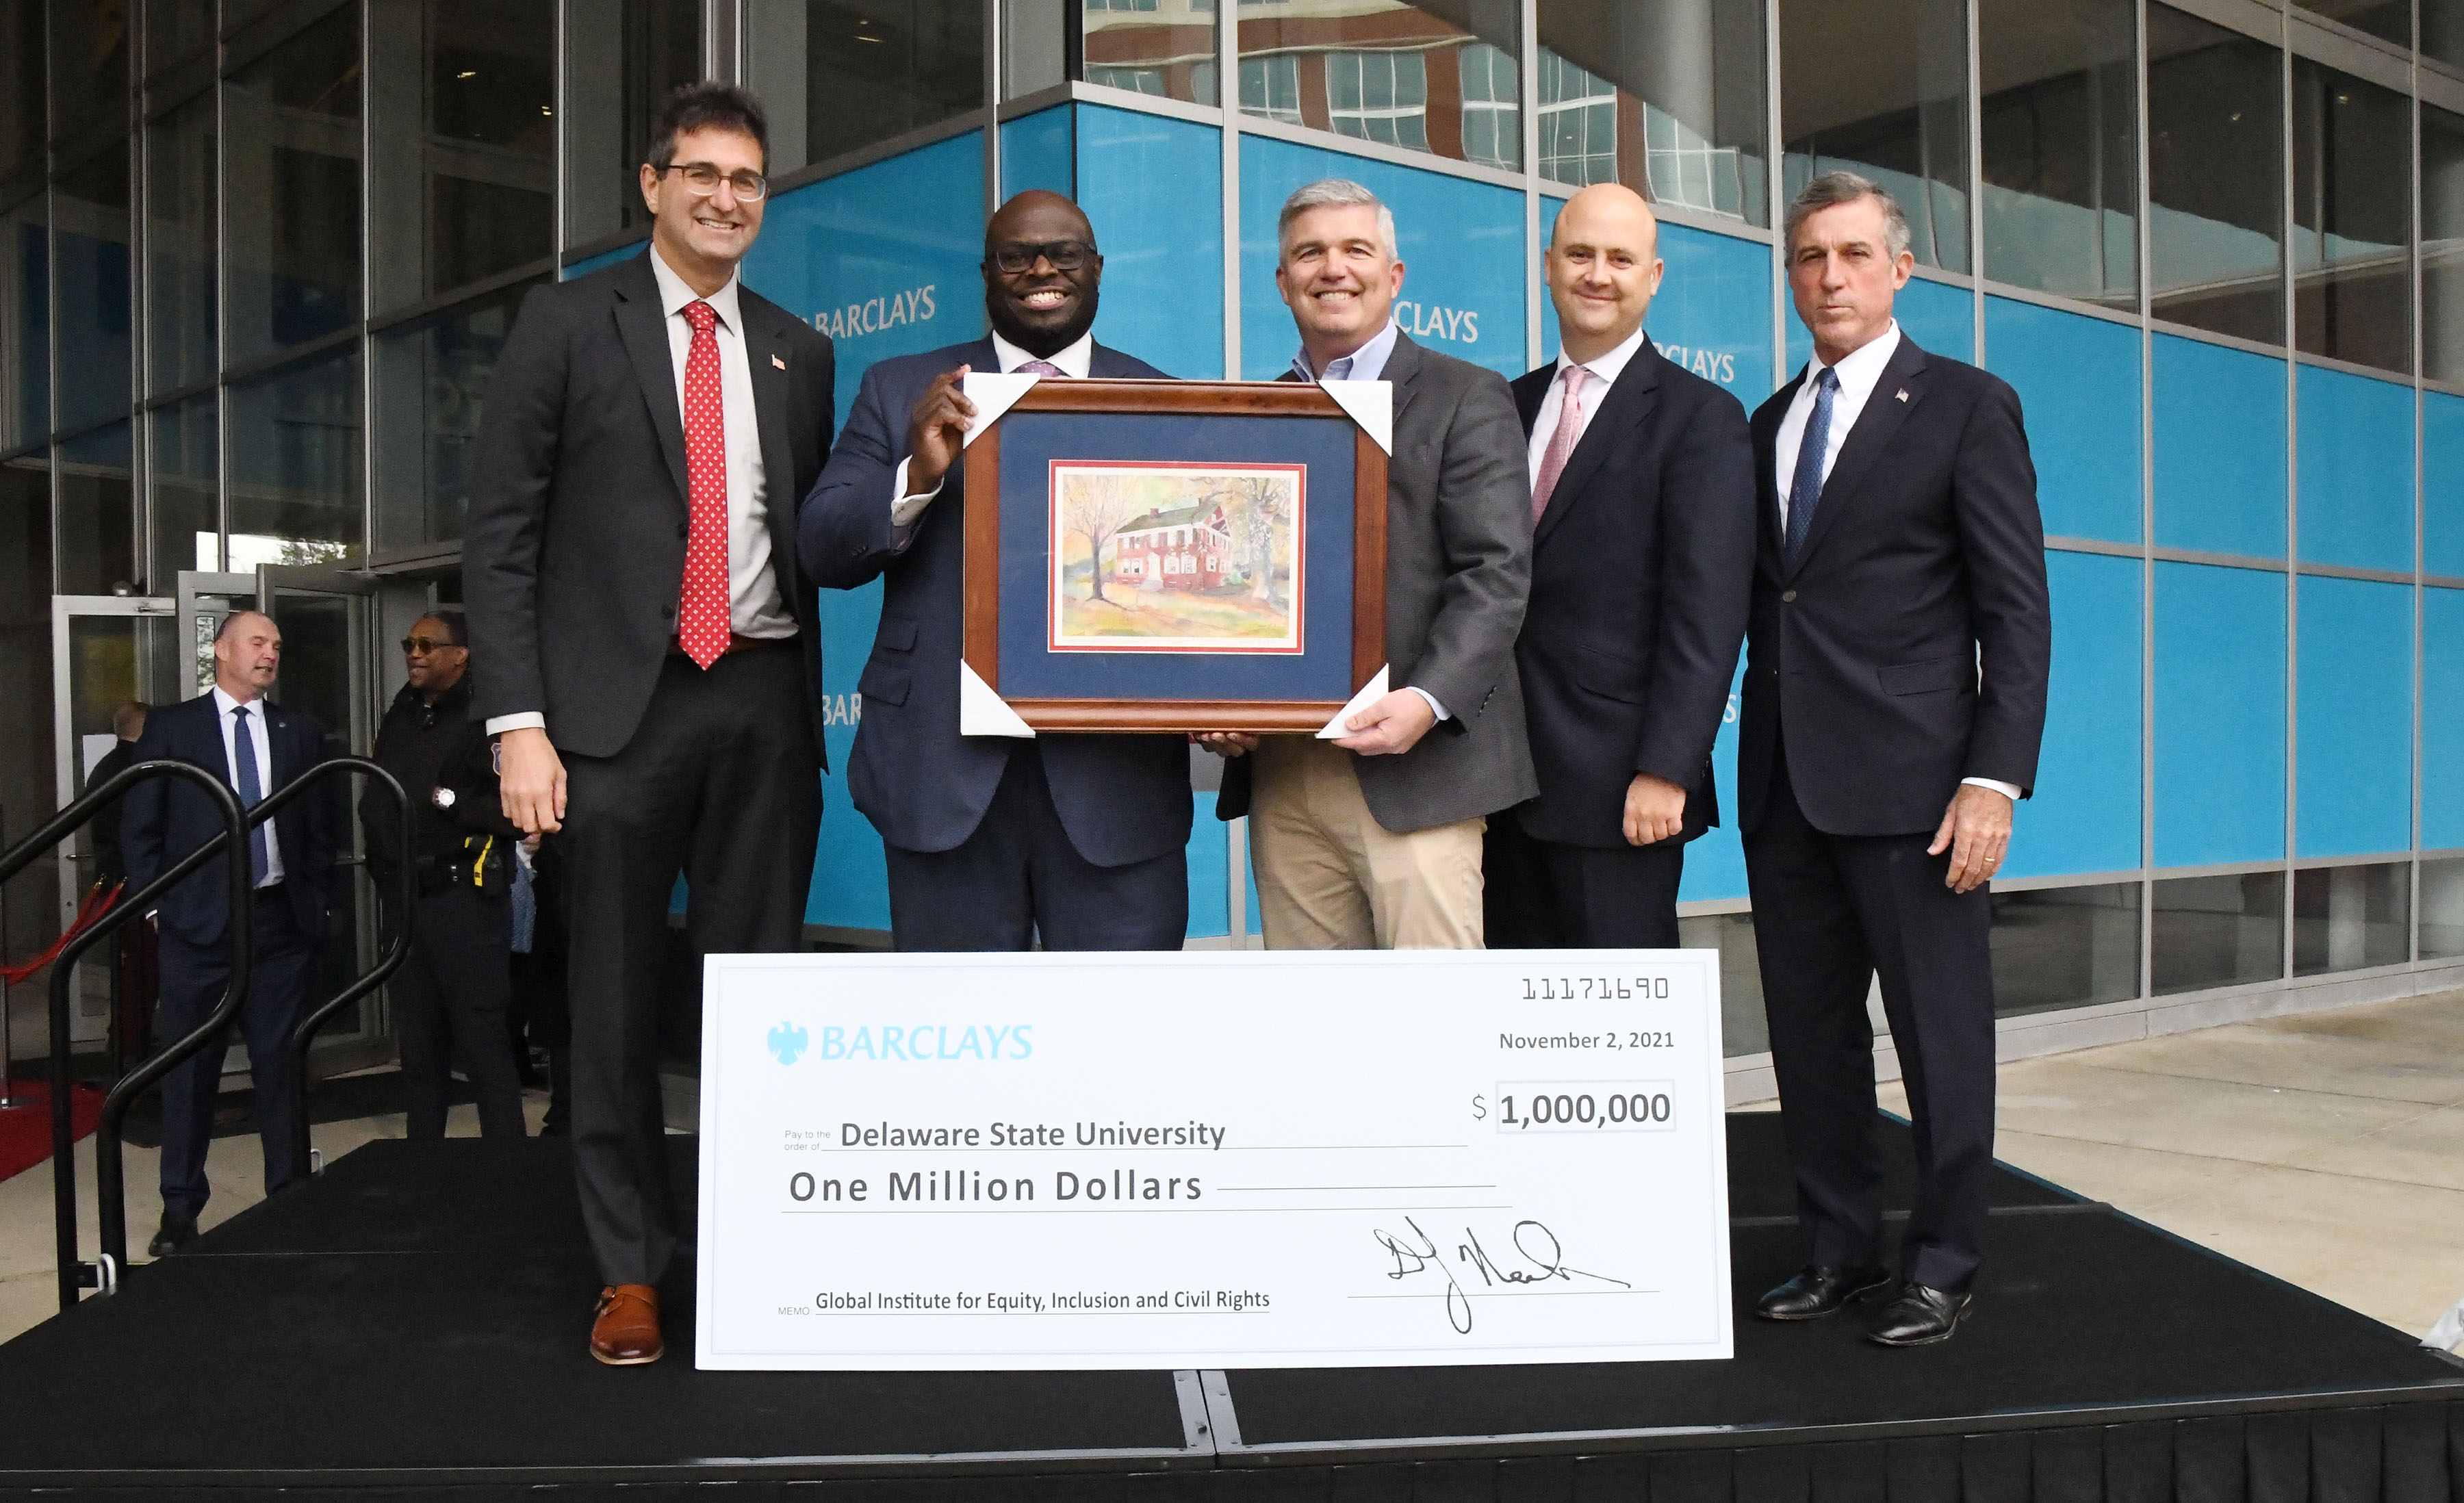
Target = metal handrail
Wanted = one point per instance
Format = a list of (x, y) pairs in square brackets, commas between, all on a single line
[(233, 842), (304, 1033), (112, 1207)]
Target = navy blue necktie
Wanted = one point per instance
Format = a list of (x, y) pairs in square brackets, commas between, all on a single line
[(1806, 491), (252, 792)]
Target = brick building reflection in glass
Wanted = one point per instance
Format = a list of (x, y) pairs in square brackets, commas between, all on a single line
[(1665, 96)]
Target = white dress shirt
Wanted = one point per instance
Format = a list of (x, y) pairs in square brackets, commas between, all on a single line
[(1858, 372), (1368, 361), (1074, 362), (1861, 370), (261, 738), (1598, 375), (755, 607)]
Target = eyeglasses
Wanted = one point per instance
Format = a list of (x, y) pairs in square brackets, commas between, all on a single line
[(421, 644), (704, 180), (1062, 256)]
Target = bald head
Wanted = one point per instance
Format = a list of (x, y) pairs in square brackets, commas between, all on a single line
[(1042, 273), (1603, 267), (248, 652)]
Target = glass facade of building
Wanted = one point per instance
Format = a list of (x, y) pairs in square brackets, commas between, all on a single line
[(256, 262)]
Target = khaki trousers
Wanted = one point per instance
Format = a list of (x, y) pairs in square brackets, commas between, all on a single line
[(1331, 877)]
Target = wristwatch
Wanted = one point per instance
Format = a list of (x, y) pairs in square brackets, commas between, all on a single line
[(442, 798)]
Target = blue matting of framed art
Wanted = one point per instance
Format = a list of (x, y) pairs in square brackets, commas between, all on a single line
[(1322, 671)]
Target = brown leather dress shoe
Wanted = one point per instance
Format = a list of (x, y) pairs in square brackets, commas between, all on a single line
[(626, 1330)]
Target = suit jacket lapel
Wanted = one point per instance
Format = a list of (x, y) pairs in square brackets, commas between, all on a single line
[(1767, 466), (1876, 427), (645, 331), (765, 351), (1104, 363), (1401, 366), (1630, 400), (1530, 389)]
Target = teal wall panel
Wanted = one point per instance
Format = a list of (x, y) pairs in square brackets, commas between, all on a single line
[(2085, 815), (2078, 379), (2220, 454), (2220, 641), (2354, 483), (2352, 750)]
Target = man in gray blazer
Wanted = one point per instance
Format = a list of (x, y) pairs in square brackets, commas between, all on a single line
[(1373, 839)]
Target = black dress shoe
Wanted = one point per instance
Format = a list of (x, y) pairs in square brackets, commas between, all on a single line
[(1919, 1317), (175, 1232), (1818, 1291)]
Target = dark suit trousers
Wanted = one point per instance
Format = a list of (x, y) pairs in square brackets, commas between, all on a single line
[(1544, 895), (194, 978), (721, 783), (449, 998), (1018, 877), (1830, 912)]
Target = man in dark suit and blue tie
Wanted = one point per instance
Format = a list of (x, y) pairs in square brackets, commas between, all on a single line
[(255, 747), (1642, 557), (993, 843), (1895, 698)]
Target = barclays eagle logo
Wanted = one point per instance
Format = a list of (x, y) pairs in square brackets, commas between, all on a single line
[(787, 1041)]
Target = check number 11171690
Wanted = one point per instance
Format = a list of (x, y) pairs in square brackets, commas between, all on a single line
[(1212, 1160)]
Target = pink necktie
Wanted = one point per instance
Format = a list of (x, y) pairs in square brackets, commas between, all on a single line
[(1042, 368), (1561, 443)]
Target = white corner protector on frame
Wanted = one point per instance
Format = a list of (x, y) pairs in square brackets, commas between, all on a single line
[(983, 712), (993, 394), (1370, 692), (1371, 404)]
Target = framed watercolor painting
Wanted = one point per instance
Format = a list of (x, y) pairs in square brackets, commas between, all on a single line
[(1175, 556)]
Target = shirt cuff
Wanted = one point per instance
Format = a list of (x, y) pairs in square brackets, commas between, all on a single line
[(527, 721), (903, 508), (2008, 790), (1435, 708)]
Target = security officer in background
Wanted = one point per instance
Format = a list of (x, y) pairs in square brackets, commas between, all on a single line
[(450, 994)]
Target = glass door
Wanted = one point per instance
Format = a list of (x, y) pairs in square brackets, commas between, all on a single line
[(109, 652), (330, 670)]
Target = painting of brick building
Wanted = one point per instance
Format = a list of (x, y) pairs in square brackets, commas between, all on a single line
[(1176, 558)]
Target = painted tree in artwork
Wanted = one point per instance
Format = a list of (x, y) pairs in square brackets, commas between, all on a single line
[(1094, 508), (1262, 507)]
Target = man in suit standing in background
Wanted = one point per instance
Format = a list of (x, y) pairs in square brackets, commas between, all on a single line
[(1642, 497), (1895, 698), (254, 747), (1373, 840), (993, 843), (652, 653)]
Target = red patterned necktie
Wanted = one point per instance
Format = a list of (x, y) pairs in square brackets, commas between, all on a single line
[(702, 616)]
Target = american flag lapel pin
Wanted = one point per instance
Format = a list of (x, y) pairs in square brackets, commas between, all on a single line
[(780, 362)]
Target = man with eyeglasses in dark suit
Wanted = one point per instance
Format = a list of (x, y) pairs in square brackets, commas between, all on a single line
[(652, 656)]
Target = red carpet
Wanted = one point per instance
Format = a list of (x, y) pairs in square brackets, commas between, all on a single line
[(26, 1131)]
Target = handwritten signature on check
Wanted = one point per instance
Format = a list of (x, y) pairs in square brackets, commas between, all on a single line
[(1535, 1244)]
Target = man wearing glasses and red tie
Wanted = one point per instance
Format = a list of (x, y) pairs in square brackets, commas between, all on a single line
[(652, 657)]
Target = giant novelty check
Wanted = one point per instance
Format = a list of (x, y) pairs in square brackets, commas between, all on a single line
[(1225, 1159)]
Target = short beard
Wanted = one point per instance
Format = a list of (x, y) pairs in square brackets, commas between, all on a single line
[(1042, 345)]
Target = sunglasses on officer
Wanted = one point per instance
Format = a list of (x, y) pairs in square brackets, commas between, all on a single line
[(413, 646)]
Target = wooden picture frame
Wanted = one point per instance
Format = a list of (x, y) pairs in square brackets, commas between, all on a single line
[(987, 506)]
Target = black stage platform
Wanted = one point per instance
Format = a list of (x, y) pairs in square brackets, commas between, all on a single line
[(410, 1324)]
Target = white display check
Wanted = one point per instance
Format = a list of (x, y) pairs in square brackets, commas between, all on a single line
[(1212, 1160)]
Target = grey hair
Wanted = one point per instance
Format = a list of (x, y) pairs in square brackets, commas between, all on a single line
[(1846, 188), (1335, 193)]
